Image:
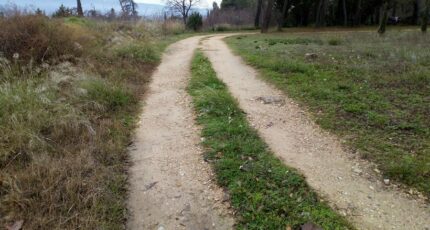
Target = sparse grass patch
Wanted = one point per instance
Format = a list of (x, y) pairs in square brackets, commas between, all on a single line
[(266, 193), (142, 52), (372, 91)]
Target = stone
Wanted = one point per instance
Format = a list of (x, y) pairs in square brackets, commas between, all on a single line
[(387, 181), (311, 56), (270, 99)]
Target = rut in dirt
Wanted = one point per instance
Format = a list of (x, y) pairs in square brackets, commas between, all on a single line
[(171, 187), (301, 144)]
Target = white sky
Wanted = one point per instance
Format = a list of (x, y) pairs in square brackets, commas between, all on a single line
[(203, 3)]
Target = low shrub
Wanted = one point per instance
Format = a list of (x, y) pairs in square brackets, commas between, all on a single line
[(36, 38), (334, 41)]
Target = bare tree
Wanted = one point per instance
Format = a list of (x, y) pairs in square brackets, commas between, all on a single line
[(79, 8), (182, 7), (128, 8)]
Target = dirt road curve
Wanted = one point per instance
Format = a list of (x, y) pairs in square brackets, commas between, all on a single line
[(170, 185), (318, 155)]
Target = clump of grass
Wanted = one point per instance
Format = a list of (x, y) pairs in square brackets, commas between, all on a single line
[(78, 21), (373, 92), (266, 193), (107, 95), (142, 52), (334, 41)]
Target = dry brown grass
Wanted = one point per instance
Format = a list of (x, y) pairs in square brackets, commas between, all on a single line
[(35, 38), (63, 131)]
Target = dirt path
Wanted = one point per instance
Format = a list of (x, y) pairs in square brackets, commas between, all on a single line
[(346, 182), (171, 186)]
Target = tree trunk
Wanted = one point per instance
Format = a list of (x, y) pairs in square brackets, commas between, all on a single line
[(345, 15), (283, 14), (383, 23), (79, 8), (358, 13), (416, 13), (321, 13), (425, 19), (267, 17), (258, 14)]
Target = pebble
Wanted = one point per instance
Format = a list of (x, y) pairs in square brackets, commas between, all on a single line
[(387, 181), (357, 170)]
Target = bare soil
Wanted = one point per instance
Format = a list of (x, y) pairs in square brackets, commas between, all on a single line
[(347, 183), (171, 187)]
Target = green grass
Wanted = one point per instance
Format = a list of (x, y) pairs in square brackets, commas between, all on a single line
[(372, 91), (266, 193)]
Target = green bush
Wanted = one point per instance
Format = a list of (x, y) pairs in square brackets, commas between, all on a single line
[(195, 21)]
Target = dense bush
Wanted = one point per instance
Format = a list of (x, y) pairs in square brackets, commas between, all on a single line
[(35, 37), (195, 21)]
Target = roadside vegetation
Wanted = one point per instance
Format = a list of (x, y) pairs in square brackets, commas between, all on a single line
[(266, 193), (374, 92), (69, 95)]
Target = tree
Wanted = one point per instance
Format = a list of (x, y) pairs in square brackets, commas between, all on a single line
[(267, 17), (321, 13), (236, 4), (182, 7), (79, 8), (39, 12), (258, 14), (111, 15), (425, 17), (345, 13), (383, 22), (283, 13), (63, 12), (128, 8), (195, 21)]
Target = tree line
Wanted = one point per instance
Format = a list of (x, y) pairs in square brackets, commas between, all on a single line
[(320, 13), (128, 11)]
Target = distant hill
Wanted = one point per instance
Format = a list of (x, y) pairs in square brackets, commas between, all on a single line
[(144, 9)]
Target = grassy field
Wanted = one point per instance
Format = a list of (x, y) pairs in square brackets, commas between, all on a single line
[(69, 96), (372, 91), (266, 193)]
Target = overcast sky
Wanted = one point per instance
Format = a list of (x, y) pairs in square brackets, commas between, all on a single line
[(105, 3)]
